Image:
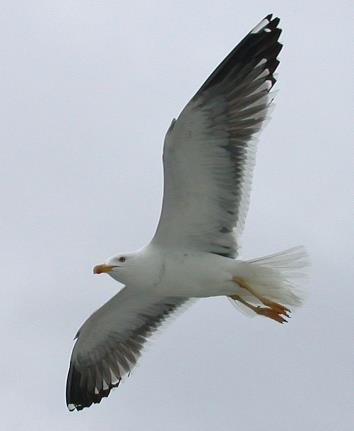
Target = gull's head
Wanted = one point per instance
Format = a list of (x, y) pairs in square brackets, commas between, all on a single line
[(132, 268), (118, 267)]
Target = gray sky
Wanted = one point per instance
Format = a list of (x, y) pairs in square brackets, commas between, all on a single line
[(88, 89)]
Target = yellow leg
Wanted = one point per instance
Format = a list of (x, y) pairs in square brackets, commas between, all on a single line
[(272, 309), (274, 305), (262, 311)]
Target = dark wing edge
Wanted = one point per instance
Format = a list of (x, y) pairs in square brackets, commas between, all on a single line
[(244, 80), (90, 379), (261, 43)]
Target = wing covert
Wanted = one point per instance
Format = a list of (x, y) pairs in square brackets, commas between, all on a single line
[(209, 150)]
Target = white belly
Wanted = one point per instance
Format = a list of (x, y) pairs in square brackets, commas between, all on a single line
[(197, 275)]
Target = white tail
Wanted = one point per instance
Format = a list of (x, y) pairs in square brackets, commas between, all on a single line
[(274, 277)]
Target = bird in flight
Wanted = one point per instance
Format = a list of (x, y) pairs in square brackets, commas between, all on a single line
[(208, 158)]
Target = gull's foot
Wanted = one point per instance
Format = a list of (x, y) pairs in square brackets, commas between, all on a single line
[(272, 314), (280, 308), (277, 315), (277, 308)]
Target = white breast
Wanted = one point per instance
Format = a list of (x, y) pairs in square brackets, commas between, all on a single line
[(194, 274)]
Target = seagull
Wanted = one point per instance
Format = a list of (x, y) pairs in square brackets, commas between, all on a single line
[(208, 158)]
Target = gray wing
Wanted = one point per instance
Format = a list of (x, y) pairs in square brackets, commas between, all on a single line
[(110, 342), (209, 151)]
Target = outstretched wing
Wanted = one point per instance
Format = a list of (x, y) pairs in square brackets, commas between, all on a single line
[(209, 151), (110, 342)]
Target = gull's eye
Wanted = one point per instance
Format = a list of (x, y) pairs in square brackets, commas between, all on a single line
[(122, 259)]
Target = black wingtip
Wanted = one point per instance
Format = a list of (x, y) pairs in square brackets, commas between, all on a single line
[(274, 23), (79, 394), (262, 42)]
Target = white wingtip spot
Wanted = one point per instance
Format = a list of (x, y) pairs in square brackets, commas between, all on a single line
[(114, 378), (267, 85), (259, 27), (264, 73), (263, 61)]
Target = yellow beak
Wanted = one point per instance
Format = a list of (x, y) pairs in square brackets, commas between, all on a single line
[(98, 269)]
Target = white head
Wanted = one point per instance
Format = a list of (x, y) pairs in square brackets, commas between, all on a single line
[(118, 267), (139, 268)]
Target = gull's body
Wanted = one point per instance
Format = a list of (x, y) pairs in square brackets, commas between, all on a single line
[(175, 272), (208, 159)]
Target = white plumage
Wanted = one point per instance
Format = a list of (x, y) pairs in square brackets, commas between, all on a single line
[(208, 160)]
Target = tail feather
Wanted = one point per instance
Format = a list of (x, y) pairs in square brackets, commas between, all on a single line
[(287, 261), (274, 277)]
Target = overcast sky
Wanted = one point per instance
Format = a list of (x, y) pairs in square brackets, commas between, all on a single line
[(87, 91)]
